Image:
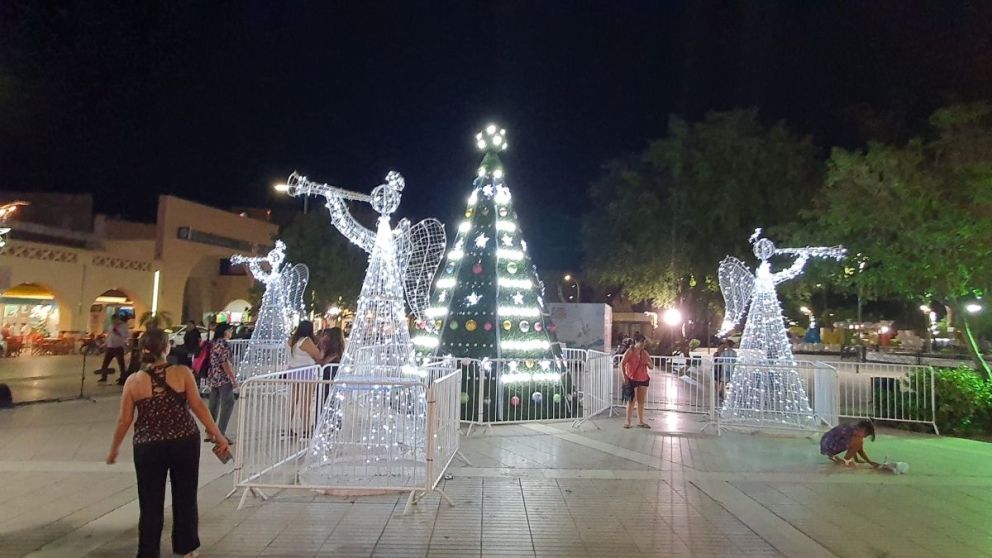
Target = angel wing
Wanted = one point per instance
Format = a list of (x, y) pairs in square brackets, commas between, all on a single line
[(295, 280), (736, 284), (419, 249)]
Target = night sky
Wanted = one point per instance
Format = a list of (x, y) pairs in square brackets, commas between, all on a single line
[(217, 101)]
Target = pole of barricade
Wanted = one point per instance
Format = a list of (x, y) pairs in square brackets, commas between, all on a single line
[(481, 374), (933, 402), (714, 417)]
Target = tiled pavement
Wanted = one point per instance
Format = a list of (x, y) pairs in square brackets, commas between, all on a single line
[(540, 490)]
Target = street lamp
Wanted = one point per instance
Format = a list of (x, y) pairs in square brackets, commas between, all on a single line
[(578, 289), (973, 308), (284, 189), (672, 317)]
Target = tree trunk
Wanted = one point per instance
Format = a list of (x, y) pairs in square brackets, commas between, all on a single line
[(981, 365)]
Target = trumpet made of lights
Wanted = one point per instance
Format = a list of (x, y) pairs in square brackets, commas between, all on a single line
[(281, 307), (766, 388)]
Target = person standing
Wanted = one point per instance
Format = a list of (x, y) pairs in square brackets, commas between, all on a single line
[(303, 354), (332, 348), (191, 342), (222, 381), (166, 442), (634, 365), (116, 343), (723, 363)]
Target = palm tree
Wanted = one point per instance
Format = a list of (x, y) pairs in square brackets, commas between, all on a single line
[(160, 320)]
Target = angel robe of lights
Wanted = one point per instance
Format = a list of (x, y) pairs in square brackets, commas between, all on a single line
[(764, 389), (367, 434)]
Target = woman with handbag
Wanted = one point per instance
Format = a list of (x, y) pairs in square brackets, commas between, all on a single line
[(634, 365), (166, 442)]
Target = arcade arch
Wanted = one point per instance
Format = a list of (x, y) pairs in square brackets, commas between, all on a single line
[(31, 308), (114, 301)]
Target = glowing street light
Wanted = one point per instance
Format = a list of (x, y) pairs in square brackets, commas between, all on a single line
[(284, 189), (973, 308), (672, 317), (578, 289)]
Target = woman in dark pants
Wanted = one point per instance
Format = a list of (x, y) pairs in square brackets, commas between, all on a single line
[(166, 442)]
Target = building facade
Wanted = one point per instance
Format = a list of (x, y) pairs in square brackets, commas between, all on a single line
[(65, 269)]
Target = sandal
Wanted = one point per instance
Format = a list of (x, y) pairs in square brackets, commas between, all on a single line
[(626, 426), (648, 426)]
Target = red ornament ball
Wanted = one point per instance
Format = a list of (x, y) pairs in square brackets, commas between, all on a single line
[(538, 326), (477, 269), (515, 401), (552, 328), (488, 326)]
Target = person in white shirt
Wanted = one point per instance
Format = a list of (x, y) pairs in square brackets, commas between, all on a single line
[(116, 344), (303, 354)]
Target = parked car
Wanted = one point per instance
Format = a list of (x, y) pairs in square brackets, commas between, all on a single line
[(176, 335), (243, 331)]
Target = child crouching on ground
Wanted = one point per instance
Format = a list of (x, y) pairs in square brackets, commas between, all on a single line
[(848, 438)]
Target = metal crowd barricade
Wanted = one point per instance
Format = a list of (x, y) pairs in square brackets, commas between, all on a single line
[(759, 406), (493, 390), (280, 413), (683, 384), (887, 392), (595, 387)]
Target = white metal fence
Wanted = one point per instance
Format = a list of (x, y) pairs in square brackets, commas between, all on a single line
[(677, 384), (887, 392), (252, 357), (595, 386), (771, 395), (354, 435)]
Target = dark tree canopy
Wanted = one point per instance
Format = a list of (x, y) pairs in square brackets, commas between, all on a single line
[(919, 216), (668, 216), (337, 267)]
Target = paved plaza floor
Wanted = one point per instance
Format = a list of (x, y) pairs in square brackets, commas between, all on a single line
[(33, 378), (535, 490)]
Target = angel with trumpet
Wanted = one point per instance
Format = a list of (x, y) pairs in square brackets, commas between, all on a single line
[(402, 263)]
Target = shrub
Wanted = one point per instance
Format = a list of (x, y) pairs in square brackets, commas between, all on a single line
[(963, 401)]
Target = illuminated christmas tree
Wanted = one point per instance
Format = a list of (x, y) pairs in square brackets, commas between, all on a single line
[(488, 304)]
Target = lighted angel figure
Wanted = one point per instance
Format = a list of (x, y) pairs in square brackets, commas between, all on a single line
[(282, 303), (765, 390), (764, 336), (402, 263)]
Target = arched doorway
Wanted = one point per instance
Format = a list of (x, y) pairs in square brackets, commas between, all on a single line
[(29, 309), (113, 301), (236, 312)]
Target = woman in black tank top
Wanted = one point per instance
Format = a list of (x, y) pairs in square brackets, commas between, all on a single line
[(166, 442)]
